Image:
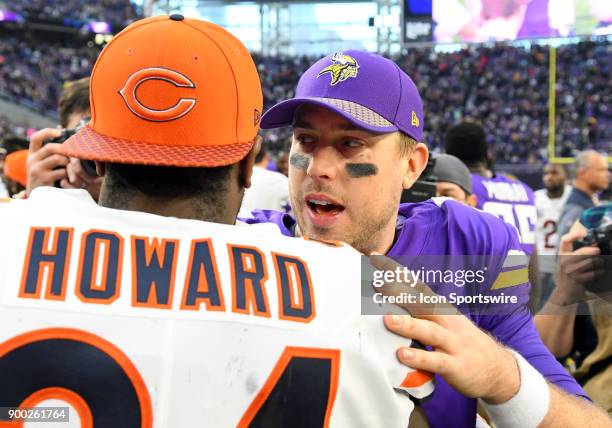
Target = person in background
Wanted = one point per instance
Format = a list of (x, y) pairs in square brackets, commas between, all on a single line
[(591, 176), (509, 199), (453, 179), (500, 195), (583, 275), (549, 201), (282, 163), (269, 189), (15, 174), (47, 166), (9, 144)]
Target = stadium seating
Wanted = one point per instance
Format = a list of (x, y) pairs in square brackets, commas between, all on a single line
[(505, 86), (118, 13)]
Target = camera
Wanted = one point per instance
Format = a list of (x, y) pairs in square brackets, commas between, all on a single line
[(66, 133), (600, 237), (425, 187), (88, 166)]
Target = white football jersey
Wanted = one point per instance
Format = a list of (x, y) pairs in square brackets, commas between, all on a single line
[(137, 320), (546, 227)]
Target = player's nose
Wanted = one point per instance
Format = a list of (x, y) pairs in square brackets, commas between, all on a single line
[(323, 163)]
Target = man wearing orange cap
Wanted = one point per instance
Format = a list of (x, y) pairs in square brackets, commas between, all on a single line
[(137, 315), (15, 172)]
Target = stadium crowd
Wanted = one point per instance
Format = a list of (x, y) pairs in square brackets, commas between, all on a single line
[(504, 86), (33, 74), (117, 13)]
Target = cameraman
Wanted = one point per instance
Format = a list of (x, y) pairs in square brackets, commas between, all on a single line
[(46, 165), (582, 274), (591, 176), (453, 179)]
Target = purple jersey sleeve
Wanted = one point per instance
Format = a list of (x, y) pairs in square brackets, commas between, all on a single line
[(284, 221), (450, 228), (511, 200)]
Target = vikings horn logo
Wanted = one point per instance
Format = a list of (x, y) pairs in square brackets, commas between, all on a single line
[(343, 67)]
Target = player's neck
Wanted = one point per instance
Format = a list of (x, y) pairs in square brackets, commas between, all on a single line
[(183, 208), (481, 170), (380, 242)]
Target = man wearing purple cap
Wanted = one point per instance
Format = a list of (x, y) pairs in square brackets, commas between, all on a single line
[(357, 123)]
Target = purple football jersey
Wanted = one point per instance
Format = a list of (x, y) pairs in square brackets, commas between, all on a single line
[(441, 226), (512, 201)]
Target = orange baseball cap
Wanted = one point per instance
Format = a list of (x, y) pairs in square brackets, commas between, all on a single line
[(15, 167), (171, 91)]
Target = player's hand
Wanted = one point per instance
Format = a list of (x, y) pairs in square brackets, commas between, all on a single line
[(46, 164), (78, 178), (575, 270), (466, 357)]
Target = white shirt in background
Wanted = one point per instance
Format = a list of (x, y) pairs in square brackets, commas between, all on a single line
[(549, 211), (269, 191)]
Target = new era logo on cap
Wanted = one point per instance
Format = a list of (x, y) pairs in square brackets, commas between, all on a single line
[(415, 119)]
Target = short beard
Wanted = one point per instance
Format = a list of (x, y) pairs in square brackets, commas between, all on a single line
[(556, 189), (367, 236)]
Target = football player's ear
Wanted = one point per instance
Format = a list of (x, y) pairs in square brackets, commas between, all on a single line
[(246, 164), (417, 161), (472, 200), (100, 168)]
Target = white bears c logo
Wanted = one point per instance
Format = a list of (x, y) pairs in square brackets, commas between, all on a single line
[(180, 109)]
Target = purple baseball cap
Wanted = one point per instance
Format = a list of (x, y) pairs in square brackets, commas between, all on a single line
[(370, 91)]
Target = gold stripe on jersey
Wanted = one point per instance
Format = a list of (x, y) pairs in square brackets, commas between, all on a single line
[(511, 279)]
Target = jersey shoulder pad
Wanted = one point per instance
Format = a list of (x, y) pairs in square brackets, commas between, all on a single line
[(284, 221)]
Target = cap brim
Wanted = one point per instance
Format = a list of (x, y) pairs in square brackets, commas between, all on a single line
[(90, 145), (282, 114)]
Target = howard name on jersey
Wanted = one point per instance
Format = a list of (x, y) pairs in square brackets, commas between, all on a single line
[(139, 320)]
